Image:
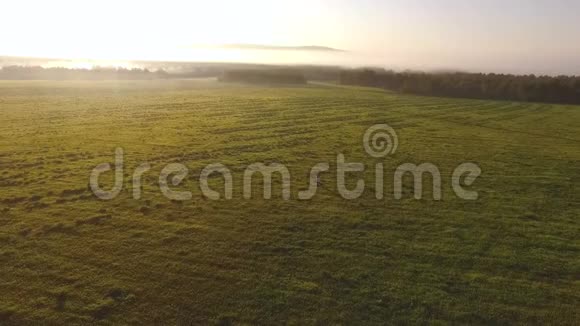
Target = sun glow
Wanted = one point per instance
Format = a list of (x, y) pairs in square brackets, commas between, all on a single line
[(415, 34), (137, 30)]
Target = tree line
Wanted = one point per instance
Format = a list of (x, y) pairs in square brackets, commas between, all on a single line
[(264, 76), (96, 73), (559, 89), (225, 72)]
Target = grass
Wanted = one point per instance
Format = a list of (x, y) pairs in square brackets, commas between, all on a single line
[(513, 256)]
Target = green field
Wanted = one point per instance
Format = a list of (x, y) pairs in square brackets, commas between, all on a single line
[(512, 256)]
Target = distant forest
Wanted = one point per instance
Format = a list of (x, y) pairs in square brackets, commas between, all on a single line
[(561, 89), (224, 71), (273, 76), (526, 88), (97, 73)]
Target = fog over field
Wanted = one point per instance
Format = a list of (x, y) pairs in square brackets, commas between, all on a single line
[(301, 56)]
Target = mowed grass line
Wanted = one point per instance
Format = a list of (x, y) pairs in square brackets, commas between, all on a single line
[(510, 257)]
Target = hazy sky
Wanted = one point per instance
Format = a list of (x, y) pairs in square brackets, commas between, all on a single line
[(521, 36)]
